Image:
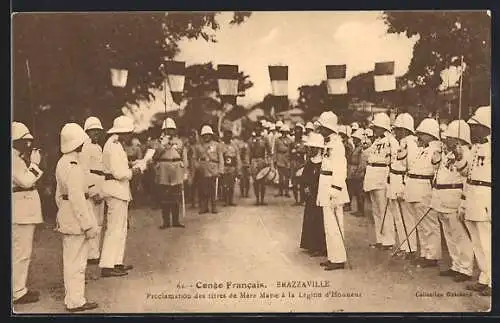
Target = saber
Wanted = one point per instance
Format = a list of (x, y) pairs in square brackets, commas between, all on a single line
[(404, 225), (343, 241), (183, 202), (412, 230), (385, 213), (216, 188)]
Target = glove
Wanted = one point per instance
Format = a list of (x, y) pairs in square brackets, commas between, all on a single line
[(91, 233), (35, 157)]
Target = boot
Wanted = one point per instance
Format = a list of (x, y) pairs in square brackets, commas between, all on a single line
[(256, 191), (262, 194), (166, 216)]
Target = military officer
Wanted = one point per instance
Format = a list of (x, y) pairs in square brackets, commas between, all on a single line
[(282, 160), (170, 160), (297, 161), (91, 160), (26, 210), (309, 128), (260, 157), (332, 191), (193, 175), (446, 192), (244, 153), (403, 131), (476, 208), (208, 158), (116, 191), (375, 181), (273, 134), (418, 191), (232, 167), (75, 218)]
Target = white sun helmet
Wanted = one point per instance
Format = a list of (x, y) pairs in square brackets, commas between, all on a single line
[(329, 120), (482, 116), (206, 130), (20, 131), (458, 129), (122, 124), (285, 128), (169, 123), (405, 121), (429, 126), (92, 123), (309, 125), (382, 120), (72, 136)]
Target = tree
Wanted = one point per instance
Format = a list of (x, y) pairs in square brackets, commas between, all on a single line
[(444, 36), (69, 56)]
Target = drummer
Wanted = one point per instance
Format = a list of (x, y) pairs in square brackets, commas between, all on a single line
[(260, 157)]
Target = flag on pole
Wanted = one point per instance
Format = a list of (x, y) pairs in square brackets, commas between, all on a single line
[(279, 80), (176, 75), (119, 77), (228, 82), (384, 77), (336, 79)]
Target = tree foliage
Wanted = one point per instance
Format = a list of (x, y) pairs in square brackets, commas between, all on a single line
[(444, 36), (69, 56)]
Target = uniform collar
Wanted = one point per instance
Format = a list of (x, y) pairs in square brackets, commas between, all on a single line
[(16, 152), (73, 156)]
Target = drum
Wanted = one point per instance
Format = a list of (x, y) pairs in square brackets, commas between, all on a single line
[(272, 176), (262, 174)]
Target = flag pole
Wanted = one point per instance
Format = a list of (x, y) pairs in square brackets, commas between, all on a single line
[(460, 93), (28, 71)]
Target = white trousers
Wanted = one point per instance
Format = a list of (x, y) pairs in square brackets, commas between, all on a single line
[(429, 232), (22, 245), (95, 243), (480, 233), (334, 245), (379, 202), (75, 252), (115, 237), (409, 221), (458, 242)]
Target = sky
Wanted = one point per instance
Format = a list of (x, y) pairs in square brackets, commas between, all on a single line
[(306, 42)]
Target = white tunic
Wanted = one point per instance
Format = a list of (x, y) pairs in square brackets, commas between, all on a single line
[(115, 163), (377, 170), (332, 188)]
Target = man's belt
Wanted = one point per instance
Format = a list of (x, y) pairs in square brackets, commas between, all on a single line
[(397, 172), (97, 172), (209, 160), (478, 183), (429, 177), (326, 172), (170, 160), (448, 186), (22, 189), (65, 196), (377, 165), (109, 177)]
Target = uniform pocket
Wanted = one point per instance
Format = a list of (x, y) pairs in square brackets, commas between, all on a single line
[(450, 198)]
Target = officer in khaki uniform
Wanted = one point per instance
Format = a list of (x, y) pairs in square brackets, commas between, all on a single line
[(116, 191), (91, 160), (244, 153), (403, 130), (476, 208), (209, 159), (297, 161), (375, 182), (418, 192), (260, 156), (75, 218), (332, 191), (26, 211), (170, 171), (282, 160), (447, 189), (232, 167)]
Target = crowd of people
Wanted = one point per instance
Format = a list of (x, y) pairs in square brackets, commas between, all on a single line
[(414, 178)]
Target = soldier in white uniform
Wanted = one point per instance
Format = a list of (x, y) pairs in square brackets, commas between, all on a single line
[(418, 192), (91, 159), (26, 211), (116, 191), (375, 182), (477, 203), (75, 218), (403, 130), (332, 191), (446, 192)]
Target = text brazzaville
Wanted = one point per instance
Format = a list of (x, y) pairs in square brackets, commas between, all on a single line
[(230, 285)]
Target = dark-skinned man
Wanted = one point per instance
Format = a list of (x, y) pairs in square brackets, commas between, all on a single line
[(260, 157), (298, 160), (170, 160), (282, 160), (245, 166), (232, 166), (209, 160)]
